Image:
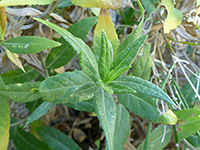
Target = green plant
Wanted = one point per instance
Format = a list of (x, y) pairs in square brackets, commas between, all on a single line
[(93, 88)]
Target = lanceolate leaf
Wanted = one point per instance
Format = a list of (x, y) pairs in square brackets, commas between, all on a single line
[(146, 107), (3, 22), (124, 59), (29, 44), (105, 23), (87, 59), (4, 123), (56, 139), (189, 122), (143, 66), (20, 92), (38, 112), (174, 17), (122, 127), (134, 85), (135, 34), (24, 2), (83, 105), (155, 138), (26, 141), (106, 112), (61, 55), (105, 58), (68, 87), (18, 76)]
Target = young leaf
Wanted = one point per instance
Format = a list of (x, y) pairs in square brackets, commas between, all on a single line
[(174, 17), (24, 2), (124, 60), (29, 44), (20, 92), (155, 138), (3, 23), (14, 59), (59, 56), (105, 109), (189, 122), (146, 107), (105, 58), (135, 34), (105, 23), (26, 141), (143, 66), (122, 127), (4, 123), (66, 87), (38, 112), (87, 59), (108, 4), (56, 139), (18, 76), (134, 85)]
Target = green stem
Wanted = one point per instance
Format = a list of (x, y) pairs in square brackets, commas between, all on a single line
[(180, 93), (147, 135)]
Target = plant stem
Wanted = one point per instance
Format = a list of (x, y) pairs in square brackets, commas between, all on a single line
[(176, 137), (147, 135), (50, 9), (18, 122)]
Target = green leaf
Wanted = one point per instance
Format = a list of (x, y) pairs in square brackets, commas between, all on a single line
[(146, 107), (87, 58), (64, 3), (31, 106), (134, 85), (4, 123), (124, 60), (87, 106), (56, 139), (143, 66), (189, 122), (18, 76), (149, 5), (68, 87), (20, 92), (105, 58), (61, 55), (122, 127), (26, 141), (155, 138), (105, 109), (38, 112), (29, 44), (174, 17), (24, 2), (189, 93), (135, 34)]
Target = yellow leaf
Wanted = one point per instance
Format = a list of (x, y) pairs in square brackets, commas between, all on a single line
[(107, 4), (170, 117), (174, 17), (24, 2), (14, 58), (3, 23), (105, 23)]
